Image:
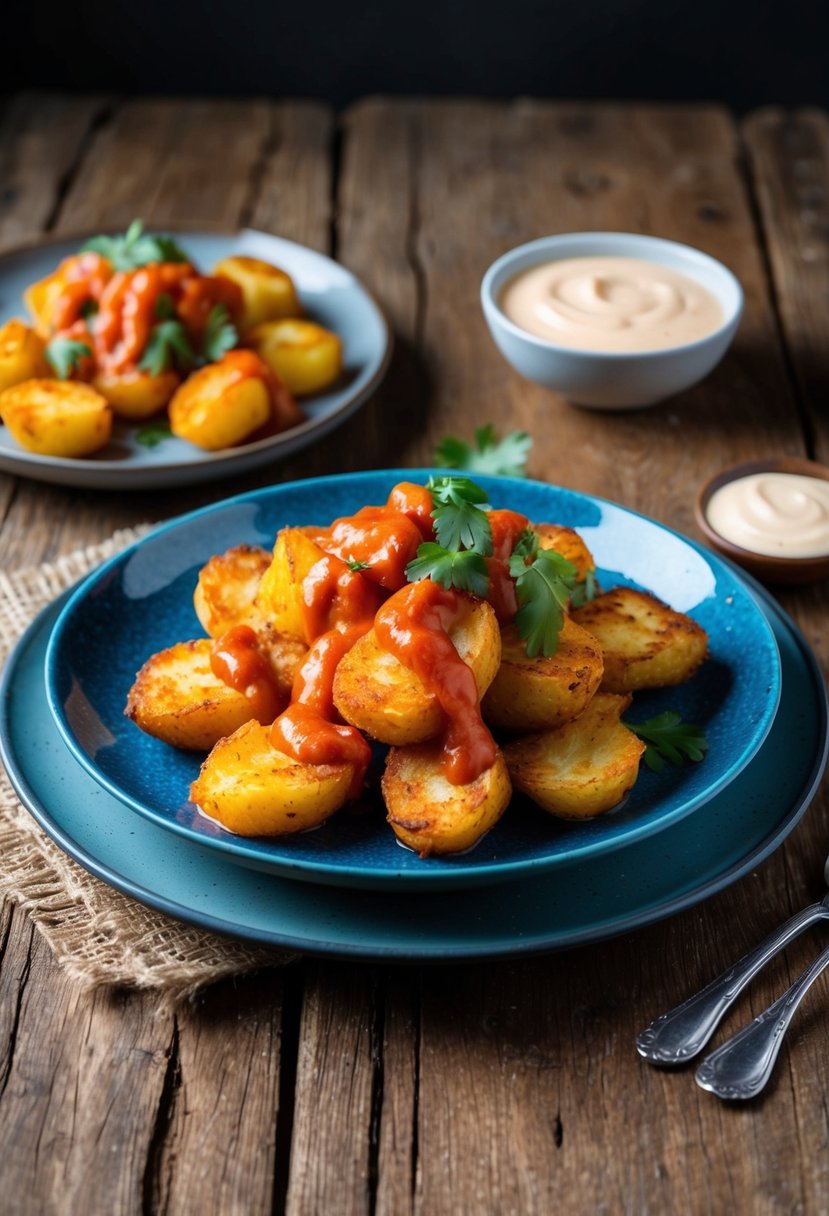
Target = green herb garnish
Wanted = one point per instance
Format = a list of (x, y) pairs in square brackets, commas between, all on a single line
[(668, 738), (506, 457), (220, 334), (543, 587), (460, 515), (154, 433), (64, 356), (465, 571), (165, 309), (168, 345), (357, 566), (585, 590), (135, 248)]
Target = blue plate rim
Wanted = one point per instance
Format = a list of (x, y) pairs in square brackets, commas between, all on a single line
[(428, 879), (649, 914)]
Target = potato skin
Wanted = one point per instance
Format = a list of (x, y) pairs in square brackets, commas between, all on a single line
[(225, 594), (646, 644), (306, 357), (280, 597), (268, 292), (21, 354), (216, 409), (583, 768), (134, 394), (177, 698), (254, 790), (530, 694), (428, 813), (374, 691), (56, 417)]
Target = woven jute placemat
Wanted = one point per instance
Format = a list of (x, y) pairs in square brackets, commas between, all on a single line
[(99, 936)]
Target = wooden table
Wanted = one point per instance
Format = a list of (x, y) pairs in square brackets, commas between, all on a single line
[(332, 1087)]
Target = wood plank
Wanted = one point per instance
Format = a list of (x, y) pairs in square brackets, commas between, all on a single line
[(788, 155)]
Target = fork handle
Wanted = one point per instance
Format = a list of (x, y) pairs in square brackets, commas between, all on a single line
[(742, 1066), (680, 1034)]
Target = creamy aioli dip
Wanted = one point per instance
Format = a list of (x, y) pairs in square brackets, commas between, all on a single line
[(611, 304), (777, 514)]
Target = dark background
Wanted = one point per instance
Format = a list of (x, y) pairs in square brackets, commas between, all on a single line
[(741, 53)]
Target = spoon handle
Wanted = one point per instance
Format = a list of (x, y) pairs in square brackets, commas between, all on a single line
[(742, 1066), (680, 1034)]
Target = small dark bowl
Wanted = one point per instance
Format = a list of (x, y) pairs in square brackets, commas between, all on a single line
[(783, 571)]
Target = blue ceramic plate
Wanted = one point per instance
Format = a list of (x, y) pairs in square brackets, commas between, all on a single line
[(141, 602), (589, 900), (330, 295)]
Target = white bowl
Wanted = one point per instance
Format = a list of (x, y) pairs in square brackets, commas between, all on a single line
[(612, 380)]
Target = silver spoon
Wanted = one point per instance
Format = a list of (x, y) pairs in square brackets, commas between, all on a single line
[(742, 1066), (680, 1034)]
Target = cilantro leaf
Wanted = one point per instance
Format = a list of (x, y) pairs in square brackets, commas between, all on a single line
[(357, 566), (526, 547), (585, 590), (465, 571), (668, 738), (168, 345), (506, 457), (64, 355), (165, 309), (220, 334), (459, 513), (154, 433), (543, 590), (135, 248)]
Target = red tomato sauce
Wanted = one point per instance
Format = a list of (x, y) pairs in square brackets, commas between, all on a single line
[(236, 659)]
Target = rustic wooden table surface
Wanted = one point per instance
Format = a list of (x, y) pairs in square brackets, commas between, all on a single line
[(335, 1087)]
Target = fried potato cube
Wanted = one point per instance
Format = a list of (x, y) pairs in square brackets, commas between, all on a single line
[(255, 790), (583, 768), (56, 417), (374, 691), (646, 644), (21, 354), (41, 297), (268, 293), (305, 356), (431, 815), (215, 408), (225, 594), (279, 597), (569, 544), (134, 394), (530, 694), (284, 653), (177, 698)]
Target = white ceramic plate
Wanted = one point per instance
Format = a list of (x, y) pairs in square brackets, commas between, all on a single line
[(330, 295)]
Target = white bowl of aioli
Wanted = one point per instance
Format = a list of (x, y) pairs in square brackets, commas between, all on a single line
[(611, 320)]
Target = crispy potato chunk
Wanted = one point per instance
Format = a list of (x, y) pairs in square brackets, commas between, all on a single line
[(583, 768), (255, 790), (21, 354), (267, 291), (216, 408), (569, 544), (305, 356), (225, 594), (135, 394), (56, 417), (177, 698), (284, 654), (279, 597), (41, 297), (530, 694), (374, 691), (646, 644), (431, 815)]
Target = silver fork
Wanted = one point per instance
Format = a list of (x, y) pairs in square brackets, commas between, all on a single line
[(680, 1034)]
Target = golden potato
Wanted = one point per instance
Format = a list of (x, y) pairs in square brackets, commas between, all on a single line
[(284, 653), (56, 417), (217, 408), (530, 694), (431, 815), (255, 790), (306, 357), (268, 292), (225, 594), (21, 354), (374, 691), (40, 299), (569, 544), (135, 394), (646, 644), (279, 597), (177, 698), (583, 768)]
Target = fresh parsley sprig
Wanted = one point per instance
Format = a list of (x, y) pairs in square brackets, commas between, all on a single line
[(135, 248), (544, 582), (465, 570), (460, 514), (585, 590), (667, 737), (167, 346), (64, 355), (220, 334), (505, 457), (153, 434)]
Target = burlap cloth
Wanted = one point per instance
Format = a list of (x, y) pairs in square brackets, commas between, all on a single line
[(98, 936)]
